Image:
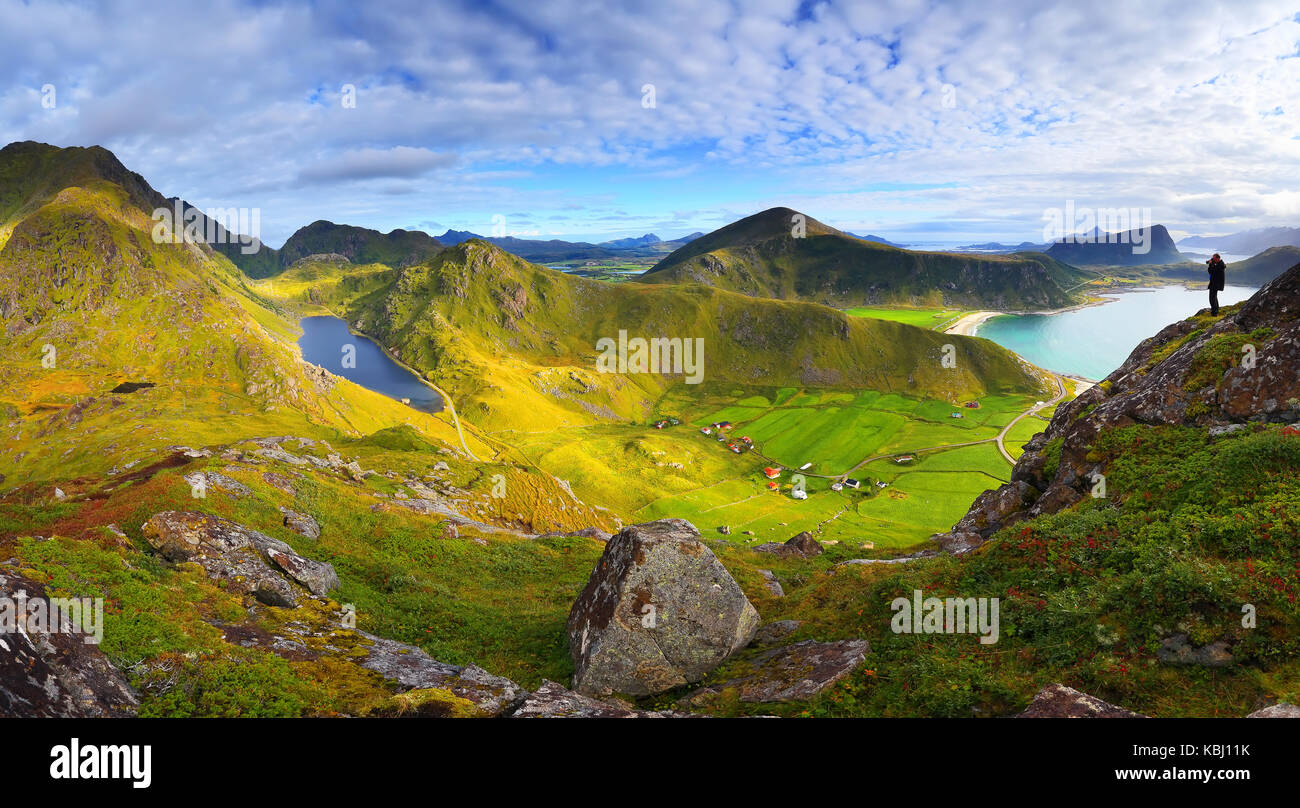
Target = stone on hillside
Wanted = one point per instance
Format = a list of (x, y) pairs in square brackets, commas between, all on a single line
[(773, 585), (55, 674), (412, 668), (1282, 710), (281, 482), (793, 673), (245, 558), (659, 611), (776, 631), (959, 541), (1059, 701), (1178, 650), (556, 701), (215, 480), (802, 545), (301, 523)]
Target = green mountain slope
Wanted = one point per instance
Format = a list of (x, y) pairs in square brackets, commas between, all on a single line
[(513, 341), (761, 257), (359, 245)]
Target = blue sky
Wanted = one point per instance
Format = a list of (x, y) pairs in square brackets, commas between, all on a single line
[(920, 121)]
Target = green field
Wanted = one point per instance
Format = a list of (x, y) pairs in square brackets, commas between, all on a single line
[(921, 317), (646, 474)]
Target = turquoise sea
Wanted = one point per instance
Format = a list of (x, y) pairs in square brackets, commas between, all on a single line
[(1093, 341)]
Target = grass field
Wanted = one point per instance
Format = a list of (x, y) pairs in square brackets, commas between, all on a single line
[(921, 317), (645, 473)]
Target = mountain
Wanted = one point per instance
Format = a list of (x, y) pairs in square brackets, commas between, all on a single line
[(998, 247), (876, 239), (539, 251), (515, 342), (1248, 242), (630, 243), (1254, 271), (761, 257), (359, 245), (1119, 249)]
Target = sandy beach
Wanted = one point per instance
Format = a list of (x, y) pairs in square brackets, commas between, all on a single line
[(967, 324)]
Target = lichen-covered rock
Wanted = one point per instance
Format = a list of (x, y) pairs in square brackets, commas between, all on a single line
[(55, 673), (1059, 701), (556, 701), (793, 673), (659, 611), (301, 523), (245, 558), (412, 668), (1282, 710)]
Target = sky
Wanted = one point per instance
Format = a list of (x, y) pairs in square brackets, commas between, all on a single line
[(924, 122)]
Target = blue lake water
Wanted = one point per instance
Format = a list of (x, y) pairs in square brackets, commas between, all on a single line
[(322, 344), (1093, 341)]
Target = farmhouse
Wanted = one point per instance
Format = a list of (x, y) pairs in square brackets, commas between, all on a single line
[(772, 473), (706, 430), (972, 405), (805, 466), (837, 486), (904, 458), (771, 486), (955, 415), (799, 494), (852, 483)]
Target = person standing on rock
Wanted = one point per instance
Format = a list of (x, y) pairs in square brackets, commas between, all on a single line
[(1215, 267)]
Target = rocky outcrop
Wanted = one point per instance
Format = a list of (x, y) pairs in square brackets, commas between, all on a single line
[(414, 669), (249, 561), (1059, 701), (1170, 379), (793, 673), (556, 701), (51, 670), (658, 612)]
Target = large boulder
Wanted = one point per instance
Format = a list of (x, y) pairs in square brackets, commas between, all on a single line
[(54, 672), (659, 611)]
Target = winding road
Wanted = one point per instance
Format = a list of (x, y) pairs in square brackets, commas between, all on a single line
[(1060, 394)]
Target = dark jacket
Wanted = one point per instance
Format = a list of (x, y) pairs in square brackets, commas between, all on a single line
[(1216, 268)]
